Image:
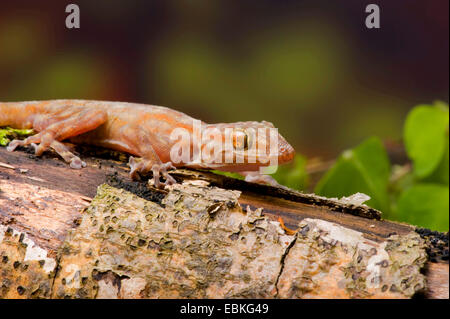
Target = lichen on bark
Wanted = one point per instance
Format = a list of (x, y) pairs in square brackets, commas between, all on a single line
[(200, 243), (331, 261), (25, 269)]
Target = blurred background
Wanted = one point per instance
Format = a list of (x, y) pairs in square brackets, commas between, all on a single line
[(311, 67)]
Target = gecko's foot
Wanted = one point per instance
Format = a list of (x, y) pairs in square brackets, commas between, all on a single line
[(255, 177), (142, 166), (61, 149), (162, 170)]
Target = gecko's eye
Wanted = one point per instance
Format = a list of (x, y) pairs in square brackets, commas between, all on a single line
[(240, 140)]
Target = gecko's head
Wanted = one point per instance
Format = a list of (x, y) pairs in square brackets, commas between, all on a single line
[(249, 145)]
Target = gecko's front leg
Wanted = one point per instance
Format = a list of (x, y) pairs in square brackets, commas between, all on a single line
[(58, 127), (140, 141)]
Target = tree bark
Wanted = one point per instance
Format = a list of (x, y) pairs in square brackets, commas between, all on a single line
[(94, 233)]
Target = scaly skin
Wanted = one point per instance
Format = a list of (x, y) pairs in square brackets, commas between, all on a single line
[(137, 129)]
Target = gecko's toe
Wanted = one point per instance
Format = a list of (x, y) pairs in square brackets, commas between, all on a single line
[(169, 179), (134, 165), (13, 145), (38, 149), (135, 176), (77, 163), (35, 147), (134, 169), (167, 167), (131, 162), (161, 185)]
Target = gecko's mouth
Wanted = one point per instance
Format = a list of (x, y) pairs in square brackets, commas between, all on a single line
[(286, 152), (242, 160)]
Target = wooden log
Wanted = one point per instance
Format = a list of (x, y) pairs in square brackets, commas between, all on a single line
[(209, 236)]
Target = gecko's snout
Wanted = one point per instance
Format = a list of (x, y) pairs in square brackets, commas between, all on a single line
[(286, 152)]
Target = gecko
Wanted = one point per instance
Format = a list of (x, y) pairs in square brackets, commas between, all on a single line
[(140, 130)]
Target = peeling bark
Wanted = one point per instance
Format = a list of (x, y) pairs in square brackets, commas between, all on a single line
[(330, 261), (200, 243)]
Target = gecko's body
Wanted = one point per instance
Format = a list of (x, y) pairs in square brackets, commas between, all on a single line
[(137, 129)]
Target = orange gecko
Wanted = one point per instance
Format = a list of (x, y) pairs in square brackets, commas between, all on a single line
[(140, 130)]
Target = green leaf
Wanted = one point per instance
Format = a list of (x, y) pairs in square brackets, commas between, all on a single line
[(425, 132), (7, 134), (441, 173), (364, 169), (425, 205), (294, 174)]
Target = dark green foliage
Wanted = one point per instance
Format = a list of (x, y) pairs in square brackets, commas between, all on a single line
[(364, 169)]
